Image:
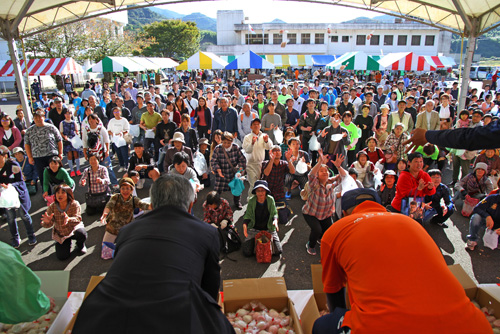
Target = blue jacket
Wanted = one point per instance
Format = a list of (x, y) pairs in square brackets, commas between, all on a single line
[(490, 207), (330, 98), (481, 137), (443, 192), (29, 170), (16, 179), (226, 121)]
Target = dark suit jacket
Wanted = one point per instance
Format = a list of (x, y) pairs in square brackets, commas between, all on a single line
[(164, 278)]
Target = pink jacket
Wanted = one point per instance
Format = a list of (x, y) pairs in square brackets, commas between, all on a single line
[(17, 137)]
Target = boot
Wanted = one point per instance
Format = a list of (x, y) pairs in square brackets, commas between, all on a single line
[(237, 202)]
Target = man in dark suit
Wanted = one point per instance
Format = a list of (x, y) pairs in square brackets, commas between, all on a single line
[(165, 274)]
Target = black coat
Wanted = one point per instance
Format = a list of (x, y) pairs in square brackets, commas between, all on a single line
[(164, 278)]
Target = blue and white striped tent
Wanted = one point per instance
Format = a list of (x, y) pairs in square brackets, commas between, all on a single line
[(249, 60)]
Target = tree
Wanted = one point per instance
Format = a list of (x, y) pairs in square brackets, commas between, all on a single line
[(171, 38)]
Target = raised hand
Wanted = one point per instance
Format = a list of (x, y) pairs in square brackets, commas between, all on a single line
[(47, 218), (339, 159), (288, 154)]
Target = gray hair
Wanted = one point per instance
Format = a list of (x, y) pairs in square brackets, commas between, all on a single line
[(431, 102), (172, 190)]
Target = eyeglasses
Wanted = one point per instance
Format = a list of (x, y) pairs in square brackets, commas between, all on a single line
[(5, 120)]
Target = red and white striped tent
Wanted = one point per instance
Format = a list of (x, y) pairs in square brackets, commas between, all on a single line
[(409, 61), (47, 66)]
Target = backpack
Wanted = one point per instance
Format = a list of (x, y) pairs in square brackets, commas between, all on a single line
[(230, 240)]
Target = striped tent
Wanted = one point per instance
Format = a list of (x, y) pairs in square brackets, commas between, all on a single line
[(46, 66), (162, 62), (355, 61), (203, 61), (249, 60), (119, 64), (301, 60), (323, 60), (228, 58), (279, 61), (409, 61)]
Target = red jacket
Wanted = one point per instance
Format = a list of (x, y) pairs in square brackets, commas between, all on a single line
[(407, 185)]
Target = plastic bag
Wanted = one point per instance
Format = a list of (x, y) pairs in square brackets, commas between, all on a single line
[(135, 130), (278, 136), (200, 163), (119, 141), (236, 185), (490, 239), (301, 167), (314, 144), (76, 142), (237, 142), (149, 134), (336, 137), (348, 183), (9, 198)]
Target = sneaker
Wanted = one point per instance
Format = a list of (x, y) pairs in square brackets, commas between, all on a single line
[(310, 251), (32, 242), (120, 169), (470, 245), (72, 174), (288, 195), (78, 173), (443, 225), (140, 183), (83, 250), (15, 244)]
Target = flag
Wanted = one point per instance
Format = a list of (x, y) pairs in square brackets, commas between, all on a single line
[(251, 29)]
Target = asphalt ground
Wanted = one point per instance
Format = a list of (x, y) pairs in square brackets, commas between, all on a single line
[(294, 264)]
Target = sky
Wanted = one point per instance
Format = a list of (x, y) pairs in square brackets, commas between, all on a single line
[(259, 11)]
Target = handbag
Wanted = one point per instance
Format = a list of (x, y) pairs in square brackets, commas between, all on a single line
[(263, 247), (417, 212), (128, 138), (97, 200), (469, 204), (369, 180), (230, 240)]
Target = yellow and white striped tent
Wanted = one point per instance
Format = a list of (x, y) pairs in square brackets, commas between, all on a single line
[(203, 61)]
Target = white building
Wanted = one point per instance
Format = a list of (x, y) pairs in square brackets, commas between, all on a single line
[(234, 37)]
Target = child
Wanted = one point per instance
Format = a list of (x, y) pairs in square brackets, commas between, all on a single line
[(216, 211), (284, 145), (203, 149), (69, 129), (464, 121)]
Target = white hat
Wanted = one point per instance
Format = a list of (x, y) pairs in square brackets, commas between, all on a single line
[(384, 106), (178, 136), (481, 165), (17, 150)]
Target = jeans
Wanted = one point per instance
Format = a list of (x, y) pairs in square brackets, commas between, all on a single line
[(203, 131), (435, 215), (147, 145), (40, 164), (161, 159), (63, 251), (122, 153), (14, 231), (318, 227), (475, 224), (107, 163)]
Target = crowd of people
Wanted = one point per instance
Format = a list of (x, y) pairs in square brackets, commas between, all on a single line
[(312, 140)]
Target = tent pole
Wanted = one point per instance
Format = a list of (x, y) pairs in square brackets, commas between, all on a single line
[(9, 37), (464, 87), (27, 71)]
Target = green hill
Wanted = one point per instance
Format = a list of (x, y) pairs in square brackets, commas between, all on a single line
[(139, 17), (202, 21)]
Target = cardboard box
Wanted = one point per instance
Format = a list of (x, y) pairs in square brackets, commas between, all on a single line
[(478, 294), (270, 291), (316, 303), (94, 280)]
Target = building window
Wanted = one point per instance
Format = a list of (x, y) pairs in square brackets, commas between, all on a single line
[(375, 40), (256, 39), (360, 40), (429, 40), (335, 39), (292, 38), (389, 40), (277, 39), (305, 38), (402, 39), (415, 40), (345, 39), (319, 38)]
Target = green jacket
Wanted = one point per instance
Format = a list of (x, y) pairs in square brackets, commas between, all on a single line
[(250, 213), (62, 174), (22, 300)]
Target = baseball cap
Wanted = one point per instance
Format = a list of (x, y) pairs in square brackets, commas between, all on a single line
[(355, 197)]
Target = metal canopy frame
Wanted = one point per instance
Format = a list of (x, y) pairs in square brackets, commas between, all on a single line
[(12, 28)]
